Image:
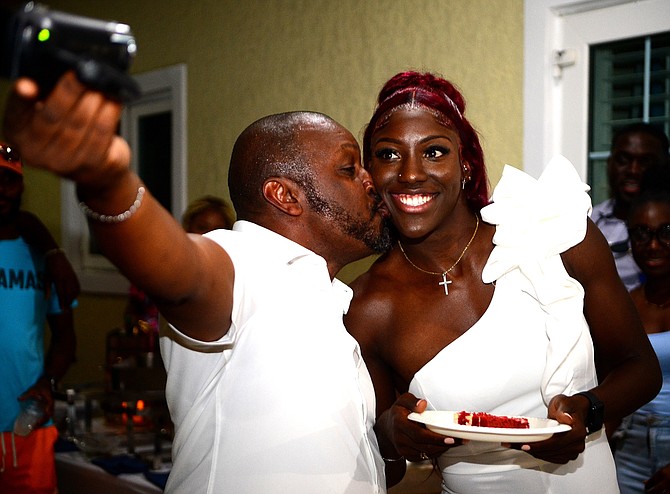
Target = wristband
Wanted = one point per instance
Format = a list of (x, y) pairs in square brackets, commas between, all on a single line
[(596, 415), (114, 218)]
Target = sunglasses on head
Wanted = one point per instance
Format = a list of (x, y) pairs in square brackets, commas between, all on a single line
[(643, 235), (8, 153)]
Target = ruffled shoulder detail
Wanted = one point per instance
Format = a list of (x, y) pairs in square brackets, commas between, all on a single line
[(535, 218)]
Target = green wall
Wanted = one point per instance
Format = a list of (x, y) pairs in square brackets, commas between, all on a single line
[(247, 59)]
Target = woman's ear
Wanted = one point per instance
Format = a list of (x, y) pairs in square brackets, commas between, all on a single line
[(466, 171), (283, 194)]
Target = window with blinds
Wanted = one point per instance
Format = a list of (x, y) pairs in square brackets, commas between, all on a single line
[(630, 82)]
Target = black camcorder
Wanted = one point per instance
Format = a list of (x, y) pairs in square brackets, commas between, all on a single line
[(43, 44)]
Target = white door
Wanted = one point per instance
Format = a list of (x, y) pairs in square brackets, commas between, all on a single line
[(589, 28), (558, 34)]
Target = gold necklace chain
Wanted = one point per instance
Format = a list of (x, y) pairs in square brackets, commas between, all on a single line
[(444, 281)]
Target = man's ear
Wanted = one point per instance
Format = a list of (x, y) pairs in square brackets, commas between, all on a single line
[(283, 194)]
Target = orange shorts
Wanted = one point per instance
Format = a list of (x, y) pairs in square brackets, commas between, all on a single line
[(34, 470)]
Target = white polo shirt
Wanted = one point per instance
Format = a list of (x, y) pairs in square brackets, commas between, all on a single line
[(283, 403)]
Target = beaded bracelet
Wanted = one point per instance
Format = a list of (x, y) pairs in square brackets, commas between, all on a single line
[(115, 218)]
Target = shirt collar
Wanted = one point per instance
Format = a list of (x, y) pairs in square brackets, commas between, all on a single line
[(607, 209), (289, 252), (281, 247)]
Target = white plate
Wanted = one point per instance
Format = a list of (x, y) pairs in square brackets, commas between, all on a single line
[(444, 422)]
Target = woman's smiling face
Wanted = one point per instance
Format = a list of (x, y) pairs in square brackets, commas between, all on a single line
[(416, 168)]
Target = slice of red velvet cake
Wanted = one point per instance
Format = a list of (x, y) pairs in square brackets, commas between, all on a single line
[(482, 419)]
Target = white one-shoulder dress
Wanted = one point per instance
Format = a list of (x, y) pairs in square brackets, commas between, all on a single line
[(532, 342)]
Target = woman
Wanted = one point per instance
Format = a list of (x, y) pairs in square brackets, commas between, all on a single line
[(642, 451), (449, 322)]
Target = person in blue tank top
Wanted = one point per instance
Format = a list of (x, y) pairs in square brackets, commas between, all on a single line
[(642, 442), (28, 300)]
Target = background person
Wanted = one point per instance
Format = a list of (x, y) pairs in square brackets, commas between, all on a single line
[(266, 389), (208, 213), (506, 313), (642, 443), (635, 148), (27, 465), (59, 274)]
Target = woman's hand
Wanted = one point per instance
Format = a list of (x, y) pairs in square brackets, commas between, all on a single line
[(563, 446), (411, 439)]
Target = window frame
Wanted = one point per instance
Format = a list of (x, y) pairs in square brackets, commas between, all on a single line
[(557, 36), (639, 96)]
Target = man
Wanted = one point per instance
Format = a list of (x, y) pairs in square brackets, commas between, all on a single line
[(635, 148), (26, 304), (267, 390)]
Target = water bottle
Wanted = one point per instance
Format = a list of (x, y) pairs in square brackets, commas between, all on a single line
[(32, 412), (71, 418)]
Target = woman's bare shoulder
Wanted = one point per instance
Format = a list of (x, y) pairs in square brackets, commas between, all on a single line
[(371, 308)]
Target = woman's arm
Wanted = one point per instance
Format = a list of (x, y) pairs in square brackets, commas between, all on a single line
[(370, 321), (628, 370), (364, 329)]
